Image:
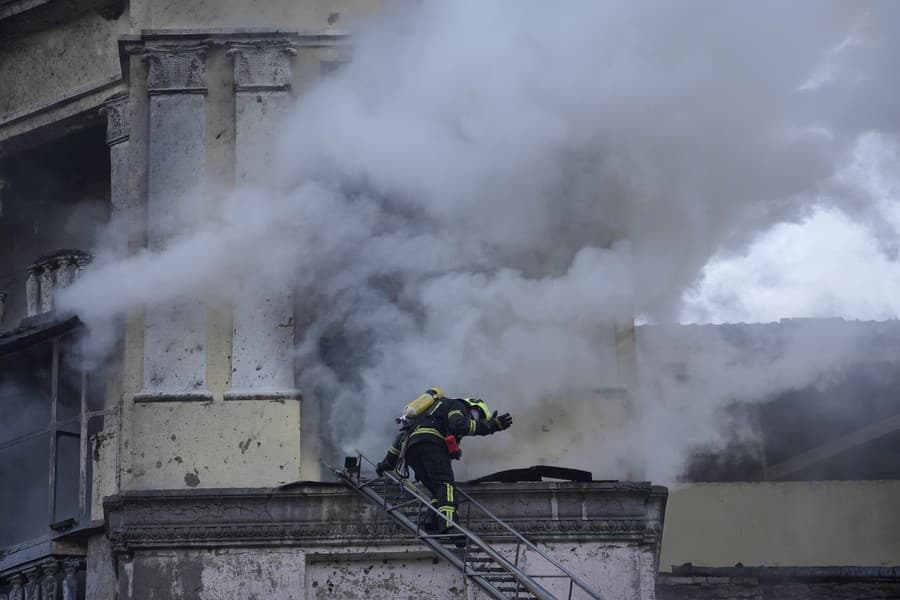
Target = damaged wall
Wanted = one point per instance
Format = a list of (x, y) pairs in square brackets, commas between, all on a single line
[(218, 443), (323, 541)]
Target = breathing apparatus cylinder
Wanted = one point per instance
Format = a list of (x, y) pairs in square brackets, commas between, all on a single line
[(421, 404)]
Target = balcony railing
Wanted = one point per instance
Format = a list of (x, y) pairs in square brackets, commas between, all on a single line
[(51, 578), (50, 273)]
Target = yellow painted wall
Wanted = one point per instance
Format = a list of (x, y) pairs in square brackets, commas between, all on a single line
[(828, 523)]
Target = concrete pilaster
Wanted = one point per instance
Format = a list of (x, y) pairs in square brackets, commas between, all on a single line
[(174, 334), (263, 363), (117, 133)]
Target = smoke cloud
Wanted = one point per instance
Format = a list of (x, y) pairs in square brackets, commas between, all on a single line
[(486, 188)]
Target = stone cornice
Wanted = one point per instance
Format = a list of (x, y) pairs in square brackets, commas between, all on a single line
[(322, 515), (174, 69), (76, 105), (216, 35), (262, 64)]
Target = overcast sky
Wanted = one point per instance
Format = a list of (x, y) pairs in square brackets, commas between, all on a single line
[(826, 265)]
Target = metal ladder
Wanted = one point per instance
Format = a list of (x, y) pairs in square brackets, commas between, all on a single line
[(499, 576)]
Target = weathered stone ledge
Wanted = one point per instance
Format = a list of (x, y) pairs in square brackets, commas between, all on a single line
[(763, 583), (149, 397), (263, 395), (329, 514)]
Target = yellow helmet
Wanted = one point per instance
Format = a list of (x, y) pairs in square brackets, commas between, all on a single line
[(480, 405)]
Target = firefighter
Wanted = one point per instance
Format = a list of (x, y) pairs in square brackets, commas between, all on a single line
[(431, 439)]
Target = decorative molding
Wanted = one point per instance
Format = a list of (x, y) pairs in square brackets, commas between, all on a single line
[(51, 273), (271, 396), (16, 591), (32, 586), (117, 127), (70, 584), (294, 517), (49, 584), (303, 38), (333, 533), (262, 64), (176, 69)]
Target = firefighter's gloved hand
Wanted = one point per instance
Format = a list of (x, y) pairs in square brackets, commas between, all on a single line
[(502, 422)]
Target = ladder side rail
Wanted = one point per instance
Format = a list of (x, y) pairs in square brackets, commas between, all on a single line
[(577, 580), (532, 586), (435, 546), (447, 555)]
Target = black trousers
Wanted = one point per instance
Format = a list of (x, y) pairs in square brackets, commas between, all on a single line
[(432, 466)]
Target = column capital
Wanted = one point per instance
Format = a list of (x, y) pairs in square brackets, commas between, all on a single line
[(262, 64), (176, 69), (116, 111)]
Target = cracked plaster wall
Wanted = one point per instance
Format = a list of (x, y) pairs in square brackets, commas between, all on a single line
[(214, 574), (213, 444), (359, 573)]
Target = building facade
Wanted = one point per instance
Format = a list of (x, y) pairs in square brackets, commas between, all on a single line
[(805, 506), (158, 473)]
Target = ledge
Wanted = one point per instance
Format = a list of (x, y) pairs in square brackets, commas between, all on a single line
[(102, 85), (25, 555), (264, 395), (218, 35), (680, 574), (148, 397), (311, 514), (37, 329)]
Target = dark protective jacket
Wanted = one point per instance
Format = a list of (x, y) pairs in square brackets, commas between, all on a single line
[(447, 416)]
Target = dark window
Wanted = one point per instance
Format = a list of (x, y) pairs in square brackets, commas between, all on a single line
[(48, 409), (847, 428)]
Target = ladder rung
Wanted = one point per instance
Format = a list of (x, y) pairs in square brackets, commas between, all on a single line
[(492, 571), (444, 536), (510, 590)]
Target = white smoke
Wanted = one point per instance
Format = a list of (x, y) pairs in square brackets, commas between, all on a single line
[(487, 187)]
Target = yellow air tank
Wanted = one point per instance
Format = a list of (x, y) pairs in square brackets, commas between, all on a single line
[(422, 403)]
